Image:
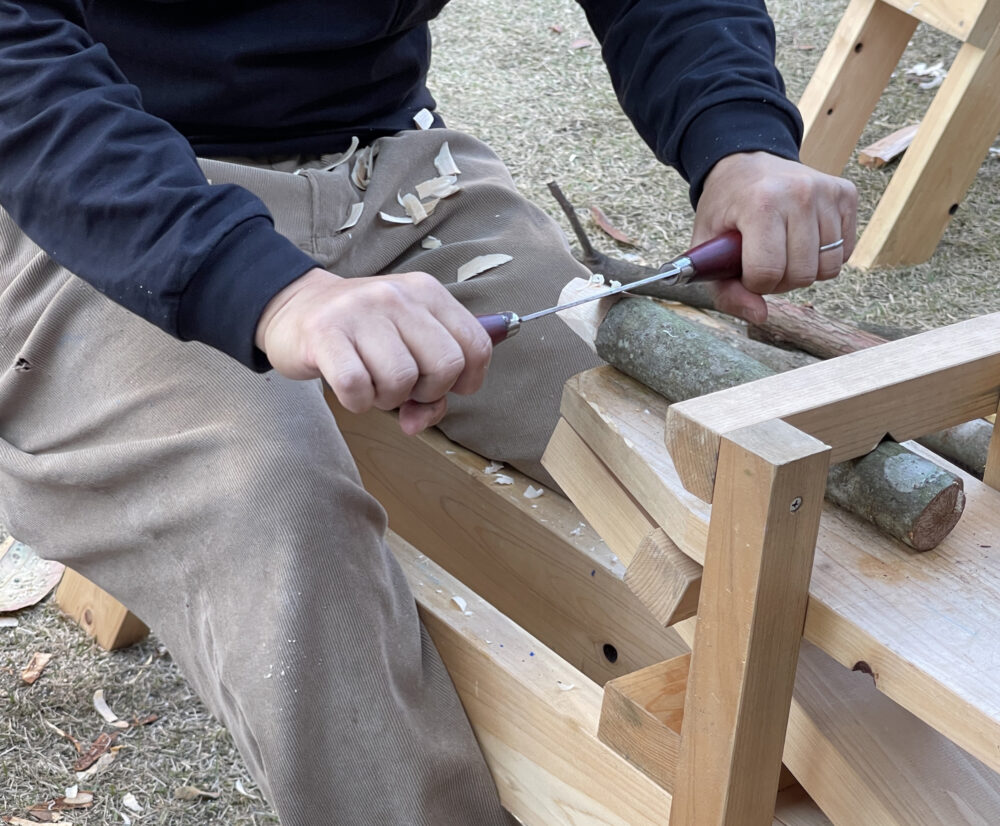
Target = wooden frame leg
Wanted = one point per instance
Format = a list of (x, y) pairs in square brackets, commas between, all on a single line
[(939, 167), (103, 617), (755, 587), (849, 79)]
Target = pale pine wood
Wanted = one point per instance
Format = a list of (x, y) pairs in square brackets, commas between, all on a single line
[(796, 808), (935, 651), (849, 80), (755, 588), (941, 164), (887, 149), (539, 735), (666, 580), (98, 613), (641, 717), (991, 476), (539, 739), (603, 502), (970, 20), (856, 752), (588, 316), (903, 388), (538, 565)]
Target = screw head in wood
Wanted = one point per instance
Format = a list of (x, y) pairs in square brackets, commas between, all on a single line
[(796, 504)]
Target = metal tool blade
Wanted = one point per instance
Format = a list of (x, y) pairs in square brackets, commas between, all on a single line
[(672, 271)]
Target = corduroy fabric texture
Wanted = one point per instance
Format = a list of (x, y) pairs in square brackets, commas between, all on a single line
[(224, 509)]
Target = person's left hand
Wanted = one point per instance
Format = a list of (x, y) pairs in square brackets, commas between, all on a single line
[(785, 212)]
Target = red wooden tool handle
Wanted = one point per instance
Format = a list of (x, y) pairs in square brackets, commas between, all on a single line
[(718, 259), (497, 326)]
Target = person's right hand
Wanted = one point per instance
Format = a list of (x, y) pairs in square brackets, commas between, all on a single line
[(386, 341)]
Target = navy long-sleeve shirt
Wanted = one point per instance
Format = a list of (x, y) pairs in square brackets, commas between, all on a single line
[(104, 103)]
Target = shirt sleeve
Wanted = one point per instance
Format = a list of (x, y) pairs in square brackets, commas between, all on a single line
[(698, 79), (116, 196)]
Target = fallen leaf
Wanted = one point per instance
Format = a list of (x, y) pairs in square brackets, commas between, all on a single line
[(61, 733), (100, 746), (602, 221), (35, 667), (144, 721), (581, 43), (102, 763), (193, 793), (482, 263), (82, 800)]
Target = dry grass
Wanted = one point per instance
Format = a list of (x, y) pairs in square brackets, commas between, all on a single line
[(502, 73)]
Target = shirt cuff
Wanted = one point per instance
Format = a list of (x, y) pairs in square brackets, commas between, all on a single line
[(222, 304), (732, 127)]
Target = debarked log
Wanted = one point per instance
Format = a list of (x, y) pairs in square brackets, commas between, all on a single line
[(905, 495)]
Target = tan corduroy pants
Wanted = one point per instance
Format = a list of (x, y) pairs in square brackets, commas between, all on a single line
[(224, 509)]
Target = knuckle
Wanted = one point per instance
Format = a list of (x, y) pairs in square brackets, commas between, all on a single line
[(763, 278), (353, 388)]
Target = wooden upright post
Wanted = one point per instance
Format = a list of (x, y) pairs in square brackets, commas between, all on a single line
[(849, 79), (761, 539)]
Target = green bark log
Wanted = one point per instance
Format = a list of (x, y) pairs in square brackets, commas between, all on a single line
[(905, 495)]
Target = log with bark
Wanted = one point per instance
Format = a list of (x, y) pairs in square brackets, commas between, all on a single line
[(905, 495), (793, 328)]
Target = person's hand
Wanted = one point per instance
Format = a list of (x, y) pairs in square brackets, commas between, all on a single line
[(785, 212), (387, 341)]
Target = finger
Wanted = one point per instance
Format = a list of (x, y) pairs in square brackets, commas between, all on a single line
[(475, 344), (803, 245), (438, 356), (848, 204), (415, 417), (346, 374), (765, 255), (390, 364), (830, 260), (733, 298)]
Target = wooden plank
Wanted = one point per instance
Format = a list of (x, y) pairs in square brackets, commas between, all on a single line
[(641, 717), (856, 752), (849, 80), (886, 150), (532, 558), (755, 589), (534, 715), (665, 579), (903, 388), (939, 167), (970, 20), (603, 501), (539, 737), (934, 648), (103, 617), (991, 476)]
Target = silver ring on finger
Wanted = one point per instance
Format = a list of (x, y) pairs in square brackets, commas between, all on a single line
[(832, 245)]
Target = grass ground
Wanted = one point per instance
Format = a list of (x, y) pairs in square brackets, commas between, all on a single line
[(504, 73)]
